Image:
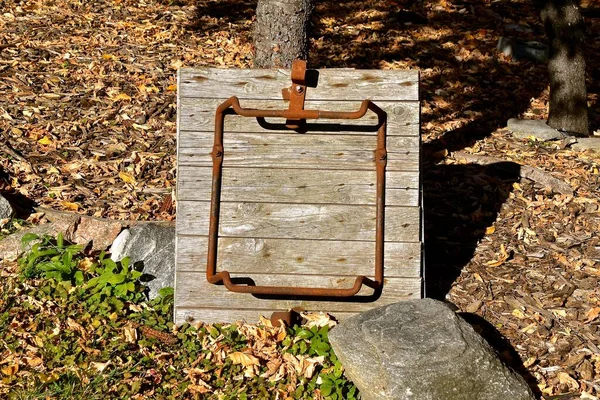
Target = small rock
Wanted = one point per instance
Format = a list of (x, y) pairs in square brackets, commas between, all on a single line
[(101, 232), (421, 350), (520, 50), (153, 245), (6, 210), (536, 128), (519, 28), (591, 143)]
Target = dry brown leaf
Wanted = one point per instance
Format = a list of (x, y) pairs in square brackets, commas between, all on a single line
[(244, 359), (565, 378)]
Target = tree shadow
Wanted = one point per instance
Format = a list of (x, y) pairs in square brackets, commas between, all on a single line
[(506, 352), (211, 16), (460, 202)]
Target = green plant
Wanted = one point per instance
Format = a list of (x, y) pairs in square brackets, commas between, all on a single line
[(51, 259), (330, 380)]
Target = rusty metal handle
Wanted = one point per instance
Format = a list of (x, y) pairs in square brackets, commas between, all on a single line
[(294, 114)]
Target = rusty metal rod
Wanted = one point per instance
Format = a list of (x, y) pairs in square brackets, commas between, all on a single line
[(217, 155)]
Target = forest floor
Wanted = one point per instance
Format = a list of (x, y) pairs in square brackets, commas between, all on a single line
[(87, 123)]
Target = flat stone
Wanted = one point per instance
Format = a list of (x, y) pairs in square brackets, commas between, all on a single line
[(422, 350), (521, 50), (536, 128), (100, 232), (152, 244), (583, 144), (6, 210), (11, 248)]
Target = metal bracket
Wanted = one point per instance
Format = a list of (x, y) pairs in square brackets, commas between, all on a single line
[(295, 115)]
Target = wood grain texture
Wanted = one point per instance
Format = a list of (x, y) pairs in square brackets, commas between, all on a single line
[(302, 257), (217, 315), (296, 207), (402, 118), (299, 151), (297, 186), (332, 84), (191, 285), (299, 221)]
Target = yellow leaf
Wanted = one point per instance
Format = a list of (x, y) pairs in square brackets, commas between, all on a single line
[(53, 170), (121, 96), (242, 358), (518, 313), (70, 206), (47, 378), (171, 88), (108, 57), (125, 177), (45, 141), (10, 370), (490, 229), (503, 257), (529, 362)]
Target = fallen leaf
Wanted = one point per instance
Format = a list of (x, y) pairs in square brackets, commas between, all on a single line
[(127, 178), (70, 206), (46, 141), (592, 314), (242, 358)]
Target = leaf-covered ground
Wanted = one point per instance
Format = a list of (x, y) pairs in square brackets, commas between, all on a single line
[(75, 325), (87, 117)]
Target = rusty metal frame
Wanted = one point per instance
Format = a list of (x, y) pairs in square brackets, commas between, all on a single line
[(295, 115)]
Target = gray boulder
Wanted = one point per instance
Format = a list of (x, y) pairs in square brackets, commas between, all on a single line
[(536, 128), (6, 210), (421, 350), (153, 245), (582, 144)]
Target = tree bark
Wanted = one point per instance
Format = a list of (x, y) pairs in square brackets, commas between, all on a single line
[(566, 65), (281, 32)]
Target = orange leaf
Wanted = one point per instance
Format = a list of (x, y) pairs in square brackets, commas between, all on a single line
[(592, 314), (70, 206)]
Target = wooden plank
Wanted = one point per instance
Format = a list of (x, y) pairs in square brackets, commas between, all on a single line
[(217, 315), (302, 257), (199, 115), (332, 84), (297, 186), (191, 285), (299, 151), (299, 221)]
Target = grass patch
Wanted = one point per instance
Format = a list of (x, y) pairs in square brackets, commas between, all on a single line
[(75, 326)]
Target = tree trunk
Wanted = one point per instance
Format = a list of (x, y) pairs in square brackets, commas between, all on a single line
[(281, 32), (566, 65)]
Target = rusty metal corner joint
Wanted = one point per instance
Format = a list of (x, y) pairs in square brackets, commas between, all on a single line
[(295, 116)]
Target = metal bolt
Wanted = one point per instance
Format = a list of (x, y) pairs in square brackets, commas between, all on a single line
[(299, 89)]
